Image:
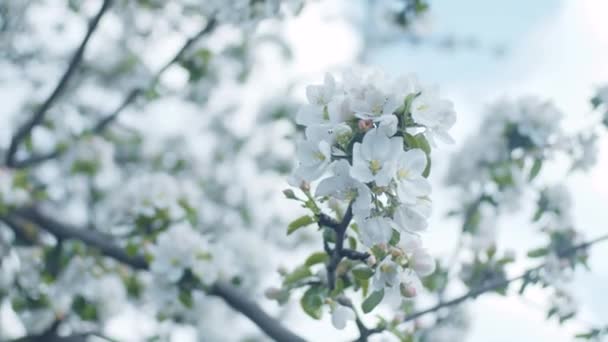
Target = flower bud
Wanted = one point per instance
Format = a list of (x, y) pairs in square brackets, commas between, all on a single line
[(396, 252), (371, 260), (305, 186), (289, 194), (382, 247), (365, 125), (272, 293), (407, 291)]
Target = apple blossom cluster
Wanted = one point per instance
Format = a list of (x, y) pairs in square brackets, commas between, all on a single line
[(373, 135), (522, 129), (495, 166), (83, 287), (152, 198), (554, 216)]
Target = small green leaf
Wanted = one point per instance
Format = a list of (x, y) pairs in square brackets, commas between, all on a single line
[(538, 252), (395, 237), (372, 301), (297, 275), (298, 223), (363, 272), (427, 170), (538, 164), (352, 242), (316, 258), (423, 143), (312, 301), (185, 297), (132, 249)]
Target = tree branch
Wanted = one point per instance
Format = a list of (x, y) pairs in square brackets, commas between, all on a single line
[(38, 116), (249, 308), (336, 253), (132, 95), (105, 244), (501, 283)]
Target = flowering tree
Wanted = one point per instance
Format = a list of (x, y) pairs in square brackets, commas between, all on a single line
[(99, 212)]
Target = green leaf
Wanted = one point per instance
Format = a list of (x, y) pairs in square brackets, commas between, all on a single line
[(538, 164), (395, 237), (538, 252), (363, 272), (132, 249), (185, 297), (372, 301), (316, 258), (538, 214), (86, 310), (352, 242), (312, 301), (427, 170), (298, 223), (297, 275)]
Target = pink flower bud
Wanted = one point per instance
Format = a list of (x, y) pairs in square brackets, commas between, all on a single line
[(407, 291), (365, 125), (305, 186)]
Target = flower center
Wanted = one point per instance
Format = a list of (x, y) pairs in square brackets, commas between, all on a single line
[(320, 156), (375, 166), (377, 109), (403, 173), (422, 107)]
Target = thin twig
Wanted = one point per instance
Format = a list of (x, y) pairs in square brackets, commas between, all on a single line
[(336, 253), (501, 283), (76, 60), (132, 95)]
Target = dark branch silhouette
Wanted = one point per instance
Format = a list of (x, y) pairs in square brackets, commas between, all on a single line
[(76, 60), (106, 245)]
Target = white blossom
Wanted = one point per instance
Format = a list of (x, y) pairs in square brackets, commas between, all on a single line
[(387, 274), (410, 182), (375, 230), (423, 264), (314, 158), (178, 249), (341, 315), (375, 105), (374, 158), (436, 114)]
